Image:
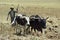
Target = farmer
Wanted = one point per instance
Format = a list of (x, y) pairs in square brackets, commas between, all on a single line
[(12, 13)]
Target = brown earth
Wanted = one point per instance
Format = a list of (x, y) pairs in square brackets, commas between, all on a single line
[(53, 23)]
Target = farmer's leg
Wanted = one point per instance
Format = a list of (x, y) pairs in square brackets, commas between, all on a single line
[(12, 18)]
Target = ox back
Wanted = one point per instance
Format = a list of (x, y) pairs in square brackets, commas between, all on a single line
[(34, 23), (38, 24), (21, 21)]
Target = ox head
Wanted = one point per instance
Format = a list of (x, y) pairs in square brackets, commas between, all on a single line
[(43, 22)]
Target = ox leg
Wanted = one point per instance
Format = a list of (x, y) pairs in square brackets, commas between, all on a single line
[(43, 34), (32, 30), (24, 30), (18, 30), (44, 31), (41, 30), (28, 29)]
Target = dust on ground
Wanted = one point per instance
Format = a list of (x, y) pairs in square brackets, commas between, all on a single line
[(53, 23)]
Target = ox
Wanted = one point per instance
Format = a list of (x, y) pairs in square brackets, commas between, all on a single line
[(37, 23), (21, 20)]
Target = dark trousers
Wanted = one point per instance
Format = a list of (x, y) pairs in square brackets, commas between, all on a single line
[(12, 18)]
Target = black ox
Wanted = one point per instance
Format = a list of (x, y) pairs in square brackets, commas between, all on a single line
[(37, 23)]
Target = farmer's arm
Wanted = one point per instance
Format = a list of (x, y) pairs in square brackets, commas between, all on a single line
[(8, 15), (17, 9)]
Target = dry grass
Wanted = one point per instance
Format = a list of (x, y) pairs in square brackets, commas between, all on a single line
[(29, 10), (7, 32)]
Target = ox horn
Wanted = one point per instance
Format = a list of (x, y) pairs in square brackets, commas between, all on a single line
[(47, 18)]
